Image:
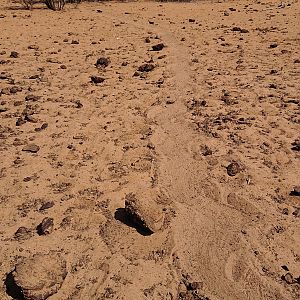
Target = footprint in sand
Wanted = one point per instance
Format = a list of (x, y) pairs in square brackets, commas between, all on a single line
[(241, 204)]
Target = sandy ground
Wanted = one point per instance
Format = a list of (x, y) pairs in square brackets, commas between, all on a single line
[(211, 132)]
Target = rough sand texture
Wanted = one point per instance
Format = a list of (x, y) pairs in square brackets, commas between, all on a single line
[(211, 124)]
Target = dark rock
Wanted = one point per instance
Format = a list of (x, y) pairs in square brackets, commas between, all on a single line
[(285, 268), (296, 191), (78, 104), (44, 126), (226, 13), (20, 121), (296, 212), (158, 47), (146, 67), (297, 61), (47, 205), (35, 76), (31, 148), (192, 20), (33, 47), (3, 109), (15, 89), (14, 54), (32, 98), (206, 150), (63, 67), (75, 42), (39, 277), (46, 227), (31, 119), (97, 79), (147, 40), (296, 145), (233, 169), (102, 62), (243, 30), (274, 45)]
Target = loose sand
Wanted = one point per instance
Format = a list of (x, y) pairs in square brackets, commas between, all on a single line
[(209, 126)]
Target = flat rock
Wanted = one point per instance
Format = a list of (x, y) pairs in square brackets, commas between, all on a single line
[(32, 97), (40, 277), (97, 79), (31, 148), (146, 67), (143, 210)]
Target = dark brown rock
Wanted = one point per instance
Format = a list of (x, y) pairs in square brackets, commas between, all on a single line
[(233, 169), (46, 227), (97, 79), (14, 54), (296, 191), (33, 47), (15, 89), (47, 205), (206, 150), (296, 212), (20, 121), (296, 145), (32, 97), (102, 62), (158, 47), (146, 67)]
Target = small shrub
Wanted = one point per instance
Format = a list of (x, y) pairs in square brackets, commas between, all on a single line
[(27, 3), (55, 4)]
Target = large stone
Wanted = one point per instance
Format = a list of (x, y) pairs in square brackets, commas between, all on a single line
[(40, 277), (144, 211)]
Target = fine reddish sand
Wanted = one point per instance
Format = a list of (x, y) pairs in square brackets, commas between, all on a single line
[(199, 135)]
